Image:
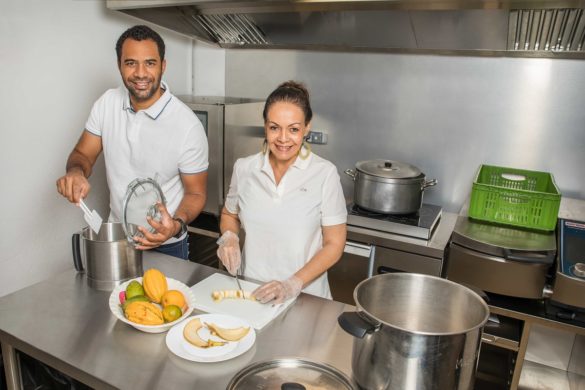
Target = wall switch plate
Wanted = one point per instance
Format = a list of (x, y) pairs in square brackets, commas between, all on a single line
[(317, 137)]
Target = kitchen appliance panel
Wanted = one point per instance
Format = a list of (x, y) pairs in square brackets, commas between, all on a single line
[(569, 283), (495, 274), (345, 275), (499, 259), (390, 260)]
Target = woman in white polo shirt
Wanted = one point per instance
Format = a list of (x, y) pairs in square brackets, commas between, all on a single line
[(290, 203)]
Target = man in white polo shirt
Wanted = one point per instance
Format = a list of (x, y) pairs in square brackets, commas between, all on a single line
[(144, 132)]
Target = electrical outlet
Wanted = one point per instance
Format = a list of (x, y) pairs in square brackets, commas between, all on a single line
[(317, 137)]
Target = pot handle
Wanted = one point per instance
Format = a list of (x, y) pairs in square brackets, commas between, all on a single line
[(292, 386), (76, 254), (355, 324), (351, 173), (429, 183)]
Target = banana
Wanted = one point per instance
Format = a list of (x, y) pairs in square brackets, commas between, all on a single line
[(190, 332), (233, 334), (233, 294)]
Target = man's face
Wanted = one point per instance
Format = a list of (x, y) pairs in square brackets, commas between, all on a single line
[(141, 69)]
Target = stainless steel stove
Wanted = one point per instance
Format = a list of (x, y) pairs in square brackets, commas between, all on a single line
[(419, 225)]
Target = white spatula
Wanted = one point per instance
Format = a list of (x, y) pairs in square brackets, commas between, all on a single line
[(92, 217)]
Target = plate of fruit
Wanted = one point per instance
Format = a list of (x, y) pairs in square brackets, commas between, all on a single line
[(209, 338), (152, 303)]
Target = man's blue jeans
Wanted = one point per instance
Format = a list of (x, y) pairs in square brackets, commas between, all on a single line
[(178, 249)]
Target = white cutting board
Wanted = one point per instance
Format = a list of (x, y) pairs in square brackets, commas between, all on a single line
[(255, 313)]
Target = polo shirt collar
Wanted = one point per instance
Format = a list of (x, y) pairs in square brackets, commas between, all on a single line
[(157, 108), (299, 162)]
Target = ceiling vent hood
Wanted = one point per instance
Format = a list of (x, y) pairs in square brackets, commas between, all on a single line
[(523, 28)]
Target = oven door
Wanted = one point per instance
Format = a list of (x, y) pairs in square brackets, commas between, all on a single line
[(212, 119)]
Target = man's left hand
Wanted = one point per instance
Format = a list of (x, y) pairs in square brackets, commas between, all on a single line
[(166, 228)]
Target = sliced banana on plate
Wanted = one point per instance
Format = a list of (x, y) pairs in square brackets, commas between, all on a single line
[(191, 334)]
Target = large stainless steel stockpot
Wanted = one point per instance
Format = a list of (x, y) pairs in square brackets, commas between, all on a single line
[(415, 332), (108, 257), (388, 187)]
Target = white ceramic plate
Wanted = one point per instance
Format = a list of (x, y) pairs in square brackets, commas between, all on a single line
[(173, 284), (181, 347)]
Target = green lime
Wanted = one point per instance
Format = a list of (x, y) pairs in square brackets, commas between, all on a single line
[(171, 313), (134, 289)]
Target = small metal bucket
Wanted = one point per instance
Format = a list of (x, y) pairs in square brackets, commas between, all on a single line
[(107, 258)]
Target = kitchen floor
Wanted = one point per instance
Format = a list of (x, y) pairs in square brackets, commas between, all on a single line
[(536, 376)]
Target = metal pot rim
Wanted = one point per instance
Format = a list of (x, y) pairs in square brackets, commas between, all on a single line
[(364, 312), (290, 362)]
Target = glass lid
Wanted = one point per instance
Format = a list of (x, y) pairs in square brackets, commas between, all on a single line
[(290, 374), (140, 202), (388, 169)]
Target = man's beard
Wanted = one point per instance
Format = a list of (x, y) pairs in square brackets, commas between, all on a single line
[(142, 95)]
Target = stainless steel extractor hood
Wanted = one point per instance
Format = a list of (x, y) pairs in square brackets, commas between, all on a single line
[(527, 28)]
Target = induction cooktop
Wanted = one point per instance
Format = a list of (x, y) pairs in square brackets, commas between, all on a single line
[(419, 225)]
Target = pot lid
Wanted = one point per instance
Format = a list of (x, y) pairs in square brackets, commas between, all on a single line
[(140, 202), (388, 169), (290, 374)]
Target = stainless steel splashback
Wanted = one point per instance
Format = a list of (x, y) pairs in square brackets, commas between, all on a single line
[(553, 28), (443, 114)]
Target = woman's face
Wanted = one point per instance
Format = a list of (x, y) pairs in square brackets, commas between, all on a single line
[(285, 129)]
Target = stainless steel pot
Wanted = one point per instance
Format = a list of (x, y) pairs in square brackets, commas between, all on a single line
[(415, 332), (108, 257), (388, 187)]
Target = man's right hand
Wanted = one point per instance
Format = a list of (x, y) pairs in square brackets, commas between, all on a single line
[(74, 185)]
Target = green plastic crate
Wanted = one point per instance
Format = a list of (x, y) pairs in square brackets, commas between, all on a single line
[(516, 197)]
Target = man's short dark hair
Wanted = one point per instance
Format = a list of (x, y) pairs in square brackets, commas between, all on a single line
[(140, 33)]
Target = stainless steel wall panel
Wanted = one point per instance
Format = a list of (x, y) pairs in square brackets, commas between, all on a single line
[(378, 29), (243, 135), (445, 115), (461, 29)]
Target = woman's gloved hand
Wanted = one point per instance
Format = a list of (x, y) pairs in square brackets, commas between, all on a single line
[(276, 292), (229, 251)]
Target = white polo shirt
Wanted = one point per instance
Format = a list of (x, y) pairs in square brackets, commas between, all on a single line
[(283, 223), (159, 142)]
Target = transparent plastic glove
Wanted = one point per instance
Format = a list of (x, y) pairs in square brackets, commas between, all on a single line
[(276, 292), (229, 251)]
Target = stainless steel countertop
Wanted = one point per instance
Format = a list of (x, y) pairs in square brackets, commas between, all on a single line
[(435, 247), (66, 324)]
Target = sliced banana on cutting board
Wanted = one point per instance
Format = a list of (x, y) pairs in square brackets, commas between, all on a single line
[(219, 295)]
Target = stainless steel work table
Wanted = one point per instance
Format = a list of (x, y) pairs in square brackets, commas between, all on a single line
[(67, 325)]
